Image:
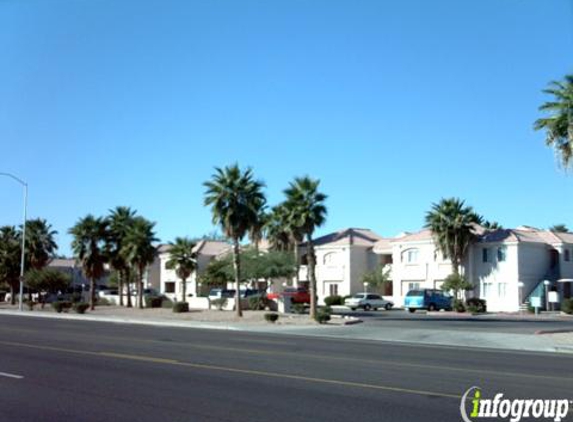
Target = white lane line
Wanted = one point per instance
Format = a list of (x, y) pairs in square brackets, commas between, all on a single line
[(7, 375)]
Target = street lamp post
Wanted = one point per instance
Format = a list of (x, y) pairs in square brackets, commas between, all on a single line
[(25, 185), (365, 287)]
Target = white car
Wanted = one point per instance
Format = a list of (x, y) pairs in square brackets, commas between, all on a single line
[(368, 301)]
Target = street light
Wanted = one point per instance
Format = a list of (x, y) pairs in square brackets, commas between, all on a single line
[(25, 185), (546, 283), (365, 287)]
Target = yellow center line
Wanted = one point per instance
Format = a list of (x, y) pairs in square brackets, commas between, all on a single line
[(237, 370)]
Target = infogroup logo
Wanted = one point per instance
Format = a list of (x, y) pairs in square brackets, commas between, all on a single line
[(474, 407)]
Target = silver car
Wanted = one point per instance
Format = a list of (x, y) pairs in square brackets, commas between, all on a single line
[(368, 301)]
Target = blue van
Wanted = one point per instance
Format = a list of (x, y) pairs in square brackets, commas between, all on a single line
[(430, 299)]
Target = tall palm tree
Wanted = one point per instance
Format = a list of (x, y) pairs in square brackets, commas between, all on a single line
[(40, 243), (138, 250), (559, 228), (88, 244), (183, 259), (119, 222), (235, 198), (277, 232), (306, 213), (558, 126), (10, 254), (257, 230), (453, 227)]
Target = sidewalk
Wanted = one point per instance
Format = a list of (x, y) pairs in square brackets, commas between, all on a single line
[(301, 325)]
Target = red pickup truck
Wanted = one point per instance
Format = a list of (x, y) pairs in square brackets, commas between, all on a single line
[(296, 294)]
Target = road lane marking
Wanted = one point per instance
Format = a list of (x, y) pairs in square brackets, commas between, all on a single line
[(7, 375), (267, 374)]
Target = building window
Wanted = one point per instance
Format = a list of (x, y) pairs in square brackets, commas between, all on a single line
[(487, 289), (413, 286), (333, 289), (412, 256), (567, 255), (501, 253), (485, 255), (170, 287)]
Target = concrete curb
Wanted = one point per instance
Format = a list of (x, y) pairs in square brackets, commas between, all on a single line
[(542, 332)]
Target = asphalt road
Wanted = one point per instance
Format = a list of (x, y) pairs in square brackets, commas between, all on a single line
[(87, 371), (398, 318)]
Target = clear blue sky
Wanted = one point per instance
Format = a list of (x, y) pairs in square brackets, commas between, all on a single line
[(392, 104)]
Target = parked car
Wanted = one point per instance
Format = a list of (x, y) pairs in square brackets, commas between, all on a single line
[(368, 301), (296, 294), (430, 299), (221, 293)]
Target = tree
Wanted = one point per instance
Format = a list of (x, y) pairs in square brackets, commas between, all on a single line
[(377, 277), (456, 283), (306, 212), (491, 225), (559, 228), (453, 228), (183, 259), (48, 280), (40, 243), (277, 231), (558, 126), (235, 198), (138, 250), (216, 274), (119, 222), (10, 256), (257, 230), (88, 244)]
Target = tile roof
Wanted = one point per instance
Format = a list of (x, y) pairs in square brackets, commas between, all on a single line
[(351, 236), (204, 247)]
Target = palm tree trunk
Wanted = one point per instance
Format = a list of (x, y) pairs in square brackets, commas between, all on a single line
[(120, 285), (12, 295), (311, 276), (92, 293), (140, 289), (183, 289), (128, 283), (237, 265), (296, 262)]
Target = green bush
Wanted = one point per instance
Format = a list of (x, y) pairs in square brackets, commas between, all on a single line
[(220, 303), (103, 301), (258, 303), (567, 306), (166, 303), (81, 307), (299, 308), (333, 300), (323, 315), (476, 305), (459, 305), (271, 317), (61, 306), (179, 307), (153, 301)]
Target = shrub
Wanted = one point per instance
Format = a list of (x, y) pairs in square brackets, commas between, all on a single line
[(271, 317), (31, 305), (298, 308), (61, 306), (76, 297), (81, 307), (153, 301), (220, 303), (179, 307), (567, 306), (333, 300), (323, 315), (102, 301), (258, 303), (476, 305), (459, 305), (166, 303)]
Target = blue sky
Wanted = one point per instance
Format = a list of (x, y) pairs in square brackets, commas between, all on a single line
[(392, 104)]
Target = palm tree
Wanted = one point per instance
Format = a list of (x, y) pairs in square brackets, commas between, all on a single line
[(10, 255), (491, 225), (183, 259), (235, 198), (138, 250), (88, 244), (558, 126), (453, 228), (40, 243), (307, 212), (257, 230), (119, 222), (277, 232)]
